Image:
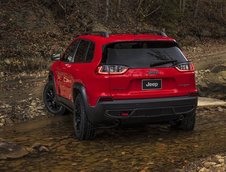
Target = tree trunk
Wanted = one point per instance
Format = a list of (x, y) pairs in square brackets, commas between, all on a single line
[(97, 5), (107, 9), (118, 8), (196, 8), (222, 8), (180, 5), (184, 6), (139, 6)]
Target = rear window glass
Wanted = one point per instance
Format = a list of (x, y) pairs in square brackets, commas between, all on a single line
[(142, 54)]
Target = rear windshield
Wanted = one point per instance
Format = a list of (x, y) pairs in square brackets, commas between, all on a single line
[(142, 54)]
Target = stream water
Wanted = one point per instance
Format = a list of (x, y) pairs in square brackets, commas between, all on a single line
[(154, 147)]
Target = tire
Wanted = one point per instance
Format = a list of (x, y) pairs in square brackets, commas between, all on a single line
[(187, 124), (84, 130), (49, 99)]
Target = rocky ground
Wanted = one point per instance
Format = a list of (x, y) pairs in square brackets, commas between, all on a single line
[(21, 97), (21, 100), (214, 163), (38, 34), (210, 64), (41, 144)]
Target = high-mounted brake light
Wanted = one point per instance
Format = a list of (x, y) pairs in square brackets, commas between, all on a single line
[(188, 66), (112, 69)]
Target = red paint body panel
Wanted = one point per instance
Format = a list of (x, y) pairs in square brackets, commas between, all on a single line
[(123, 86)]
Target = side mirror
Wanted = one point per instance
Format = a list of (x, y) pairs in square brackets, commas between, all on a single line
[(55, 57)]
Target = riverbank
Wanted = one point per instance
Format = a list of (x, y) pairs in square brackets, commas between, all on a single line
[(42, 136)]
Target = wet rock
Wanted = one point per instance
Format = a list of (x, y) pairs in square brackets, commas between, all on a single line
[(212, 82), (29, 149), (150, 163), (11, 150), (220, 109), (39, 147), (212, 163), (123, 153), (209, 164), (1, 74), (204, 170), (43, 149), (219, 159), (2, 121), (33, 103), (40, 108), (7, 61), (36, 145)]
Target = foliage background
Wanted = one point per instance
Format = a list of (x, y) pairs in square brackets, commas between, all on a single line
[(31, 30)]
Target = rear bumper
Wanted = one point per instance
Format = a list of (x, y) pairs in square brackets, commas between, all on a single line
[(155, 110)]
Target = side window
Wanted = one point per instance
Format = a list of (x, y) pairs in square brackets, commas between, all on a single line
[(81, 51), (90, 53), (70, 52)]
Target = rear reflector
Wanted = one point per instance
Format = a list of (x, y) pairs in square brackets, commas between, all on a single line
[(124, 114)]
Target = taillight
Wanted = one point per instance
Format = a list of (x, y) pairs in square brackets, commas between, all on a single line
[(188, 66), (112, 69)]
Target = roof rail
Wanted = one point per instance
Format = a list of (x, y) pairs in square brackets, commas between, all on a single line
[(161, 33), (100, 33), (107, 34)]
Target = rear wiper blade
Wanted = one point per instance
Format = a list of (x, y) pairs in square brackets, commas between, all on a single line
[(163, 62)]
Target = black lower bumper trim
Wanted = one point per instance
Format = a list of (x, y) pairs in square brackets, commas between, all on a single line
[(154, 110)]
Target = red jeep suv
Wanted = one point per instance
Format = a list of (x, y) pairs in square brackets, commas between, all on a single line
[(110, 79)]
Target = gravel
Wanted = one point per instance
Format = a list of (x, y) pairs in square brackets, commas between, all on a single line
[(214, 163)]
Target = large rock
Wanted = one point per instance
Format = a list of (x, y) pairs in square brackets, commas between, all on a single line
[(213, 81), (11, 151)]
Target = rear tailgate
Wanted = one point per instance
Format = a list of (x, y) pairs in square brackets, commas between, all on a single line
[(151, 83), (152, 70)]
